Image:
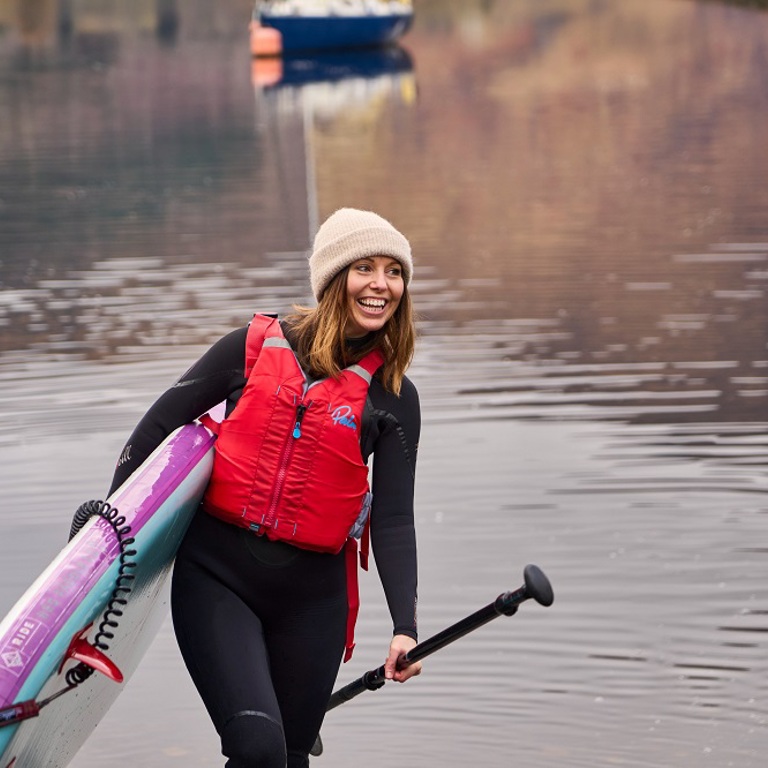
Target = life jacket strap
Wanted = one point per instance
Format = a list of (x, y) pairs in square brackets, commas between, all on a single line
[(365, 544), (207, 421), (353, 595), (260, 325)]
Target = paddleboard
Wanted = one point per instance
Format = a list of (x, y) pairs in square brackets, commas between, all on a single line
[(54, 624)]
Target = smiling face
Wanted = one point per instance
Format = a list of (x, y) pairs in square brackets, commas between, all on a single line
[(375, 286)]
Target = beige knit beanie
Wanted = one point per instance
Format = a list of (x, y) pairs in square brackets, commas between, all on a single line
[(349, 235)]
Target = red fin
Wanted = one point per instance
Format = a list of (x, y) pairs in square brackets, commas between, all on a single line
[(81, 650)]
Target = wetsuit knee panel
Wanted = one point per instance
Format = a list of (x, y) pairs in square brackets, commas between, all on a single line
[(253, 739)]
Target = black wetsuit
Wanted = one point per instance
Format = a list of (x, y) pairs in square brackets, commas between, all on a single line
[(261, 625)]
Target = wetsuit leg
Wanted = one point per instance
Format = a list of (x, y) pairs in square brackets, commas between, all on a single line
[(261, 628), (305, 651), (222, 644)]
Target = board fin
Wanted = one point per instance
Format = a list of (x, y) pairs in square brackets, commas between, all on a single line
[(81, 650)]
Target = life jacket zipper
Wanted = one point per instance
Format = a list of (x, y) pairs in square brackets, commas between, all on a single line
[(300, 411), (285, 461)]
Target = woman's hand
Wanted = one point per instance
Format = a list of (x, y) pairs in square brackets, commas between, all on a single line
[(400, 644)]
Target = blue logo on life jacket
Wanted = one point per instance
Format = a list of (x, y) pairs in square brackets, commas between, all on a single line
[(343, 416)]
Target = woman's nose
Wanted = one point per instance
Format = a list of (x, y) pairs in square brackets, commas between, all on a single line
[(378, 279)]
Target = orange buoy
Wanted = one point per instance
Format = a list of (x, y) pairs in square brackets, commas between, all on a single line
[(265, 41)]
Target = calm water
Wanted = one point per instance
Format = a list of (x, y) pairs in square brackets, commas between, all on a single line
[(584, 186)]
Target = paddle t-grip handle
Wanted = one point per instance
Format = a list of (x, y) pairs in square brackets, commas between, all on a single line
[(536, 587)]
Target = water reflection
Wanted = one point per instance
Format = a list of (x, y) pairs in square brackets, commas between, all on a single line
[(584, 186), (298, 95), (574, 265), (365, 66)]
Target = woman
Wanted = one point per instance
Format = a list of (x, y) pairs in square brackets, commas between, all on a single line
[(264, 585)]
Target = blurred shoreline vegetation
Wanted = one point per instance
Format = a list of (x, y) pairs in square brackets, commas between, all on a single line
[(747, 3), (454, 10), (35, 20)]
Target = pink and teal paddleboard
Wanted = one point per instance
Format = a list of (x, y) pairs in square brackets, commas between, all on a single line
[(53, 626)]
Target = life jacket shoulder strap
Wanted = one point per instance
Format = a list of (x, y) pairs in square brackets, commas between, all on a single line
[(368, 366), (260, 327)]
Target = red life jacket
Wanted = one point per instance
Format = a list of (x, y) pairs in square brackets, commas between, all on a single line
[(288, 461)]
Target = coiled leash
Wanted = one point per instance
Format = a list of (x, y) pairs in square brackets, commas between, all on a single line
[(91, 656)]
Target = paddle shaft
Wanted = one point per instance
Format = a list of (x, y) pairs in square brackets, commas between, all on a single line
[(536, 586)]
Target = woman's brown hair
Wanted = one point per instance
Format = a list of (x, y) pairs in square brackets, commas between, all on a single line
[(319, 336)]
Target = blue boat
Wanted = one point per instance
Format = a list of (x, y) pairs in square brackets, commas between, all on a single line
[(321, 25)]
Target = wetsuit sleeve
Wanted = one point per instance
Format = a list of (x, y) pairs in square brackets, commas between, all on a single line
[(211, 380), (393, 535)]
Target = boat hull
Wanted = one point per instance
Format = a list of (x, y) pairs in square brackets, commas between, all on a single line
[(320, 33)]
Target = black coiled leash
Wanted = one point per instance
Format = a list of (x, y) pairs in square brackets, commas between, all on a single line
[(91, 655)]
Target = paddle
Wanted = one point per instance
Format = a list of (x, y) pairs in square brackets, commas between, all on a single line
[(536, 586)]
